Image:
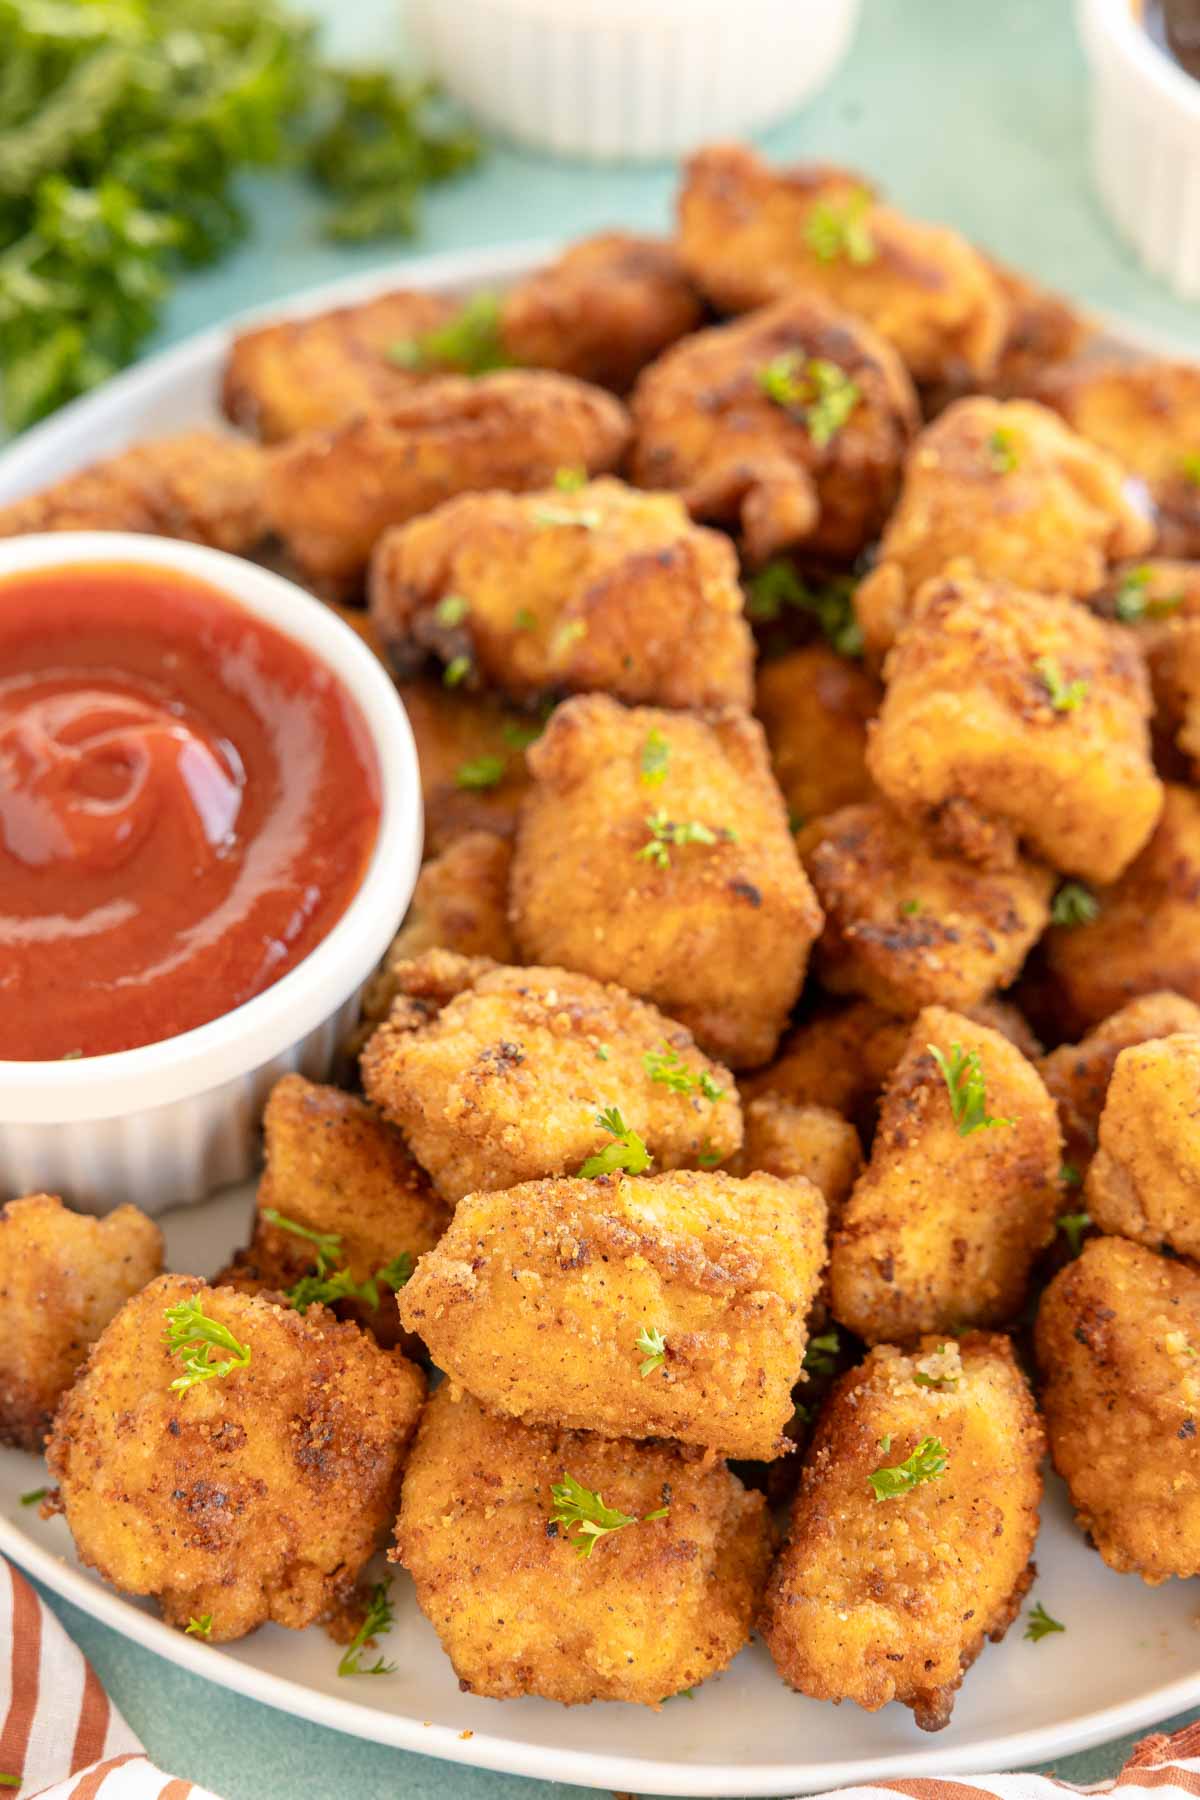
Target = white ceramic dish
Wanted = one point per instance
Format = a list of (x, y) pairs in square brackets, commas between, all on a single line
[(1130, 1655), (171, 1122)]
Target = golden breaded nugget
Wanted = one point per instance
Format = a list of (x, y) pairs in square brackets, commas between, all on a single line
[(1077, 1075), (653, 849), (332, 494), (791, 424), (1004, 488), (302, 374), (338, 1172), (838, 1058), (499, 1075), (887, 1591), (813, 1142), (1044, 329), (961, 1191), (1144, 1182), (749, 233), (1118, 1336), (1145, 935), (814, 706), (1160, 601), (1147, 415), (1010, 717), (252, 1495), (637, 1306), (602, 587), (907, 925), (62, 1278), (205, 486), (602, 310), (471, 753), (655, 1605)]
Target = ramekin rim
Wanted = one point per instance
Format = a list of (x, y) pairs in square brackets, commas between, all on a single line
[(1115, 19)]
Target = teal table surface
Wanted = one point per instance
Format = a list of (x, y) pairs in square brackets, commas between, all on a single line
[(971, 112)]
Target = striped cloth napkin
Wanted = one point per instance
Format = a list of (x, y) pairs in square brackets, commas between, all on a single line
[(62, 1738)]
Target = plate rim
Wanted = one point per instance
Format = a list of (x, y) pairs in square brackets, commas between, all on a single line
[(451, 271)]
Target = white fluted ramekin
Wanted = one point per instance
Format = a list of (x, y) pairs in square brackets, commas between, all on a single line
[(170, 1122), (1145, 142), (630, 80)]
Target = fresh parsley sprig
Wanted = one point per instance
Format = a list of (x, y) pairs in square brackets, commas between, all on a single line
[(841, 228), (330, 1280), (1074, 905), (1065, 696), (1133, 601), (831, 604), (820, 1357), (481, 772), (666, 833), (200, 1627), (653, 1346), (627, 1152), (1073, 1225), (192, 1335), (963, 1074), (471, 342), (1039, 1624), (378, 1621), (580, 1509), (817, 392), (927, 1463), (655, 758), (668, 1068), (1003, 454)]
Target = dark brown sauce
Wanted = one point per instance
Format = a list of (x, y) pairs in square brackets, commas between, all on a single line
[(1174, 26)]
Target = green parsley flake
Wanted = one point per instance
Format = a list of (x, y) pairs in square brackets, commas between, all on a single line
[(818, 391), (841, 228), (667, 1067), (627, 1152), (885, 1442), (378, 1620), (963, 1075), (653, 1346), (1073, 905), (1065, 696), (909, 908), (470, 342), (831, 603), (570, 480), (665, 832), (456, 671), (927, 1463), (481, 772), (707, 1156), (12, 1781), (33, 1496), (602, 1053), (1002, 451), (1133, 602), (201, 1627), (1189, 467), (945, 1375), (1039, 1624), (451, 609), (587, 518), (656, 754), (821, 1354), (1073, 1226), (521, 733), (328, 1243), (575, 1505), (192, 1335), (1069, 1175)]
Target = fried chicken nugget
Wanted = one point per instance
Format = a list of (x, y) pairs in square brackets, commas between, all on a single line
[(1010, 717), (813, 1142), (1044, 330), (636, 1306), (332, 494), (471, 755), (602, 310), (201, 485), (653, 1606), (335, 1169), (961, 1191), (498, 1076), (791, 424), (814, 706), (749, 233), (303, 374), (1144, 1182), (1147, 415), (908, 926), (1006, 488), (62, 1278), (600, 588), (1117, 1338), (1145, 935), (890, 1596), (1159, 601), (653, 849), (1077, 1075), (254, 1495)]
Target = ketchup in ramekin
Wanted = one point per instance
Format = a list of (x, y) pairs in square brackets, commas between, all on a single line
[(188, 803)]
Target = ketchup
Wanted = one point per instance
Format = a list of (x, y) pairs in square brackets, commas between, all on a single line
[(188, 803)]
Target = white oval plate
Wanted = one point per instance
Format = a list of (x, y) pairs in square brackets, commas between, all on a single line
[(1127, 1659)]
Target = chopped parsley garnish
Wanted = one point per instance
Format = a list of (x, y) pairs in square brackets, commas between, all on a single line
[(570, 480), (885, 1442), (520, 734), (524, 620), (1073, 905), (653, 1346), (377, 1622), (1039, 1624), (1189, 466), (33, 1496), (481, 772), (602, 1053), (451, 609), (821, 1353), (201, 1627), (816, 391), (394, 1275), (1002, 451), (192, 1335), (668, 1068), (840, 228), (656, 754), (707, 1157), (328, 1243), (330, 1281), (665, 832), (470, 342), (12, 1781), (587, 517), (627, 1152), (568, 632), (963, 1074), (946, 1372), (1073, 1226), (1065, 696), (927, 1463), (575, 1505), (456, 671), (909, 908), (1069, 1175), (1133, 602), (777, 585)]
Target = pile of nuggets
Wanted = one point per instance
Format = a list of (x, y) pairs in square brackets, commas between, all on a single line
[(792, 1054)]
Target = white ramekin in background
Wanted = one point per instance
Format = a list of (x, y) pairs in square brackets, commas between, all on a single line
[(169, 1122), (1145, 141), (630, 80)]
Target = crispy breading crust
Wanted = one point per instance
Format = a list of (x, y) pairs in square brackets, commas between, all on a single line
[(1008, 488), (62, 1278), (814, 706), (970, 741), (813, 1142), (332, 494), (1167, 630), (743, 236), (497, 1075), (257, 1496), (536, 1297), (719, 937), (1118, 1333), (873, 1600), (706, 427), (1144, 1182), (602, 588), (205, 486), (457, 733), (942, 1229), (654, 1609)]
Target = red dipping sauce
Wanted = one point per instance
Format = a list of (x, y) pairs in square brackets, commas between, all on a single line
[(188, 803)]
